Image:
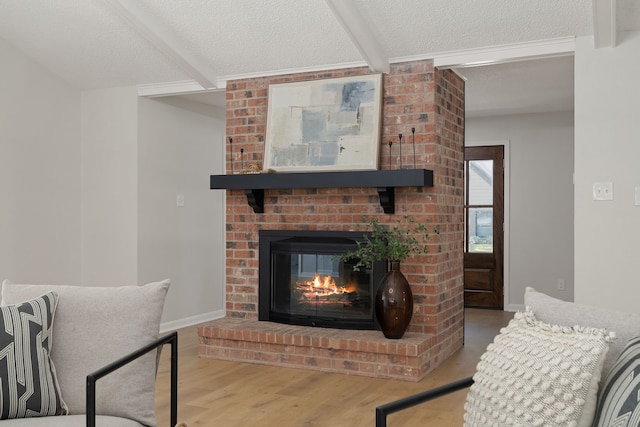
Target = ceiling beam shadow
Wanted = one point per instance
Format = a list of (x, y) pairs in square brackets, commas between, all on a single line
[(151, 29)]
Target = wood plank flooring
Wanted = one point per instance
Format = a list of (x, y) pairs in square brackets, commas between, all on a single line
[(232, 394)]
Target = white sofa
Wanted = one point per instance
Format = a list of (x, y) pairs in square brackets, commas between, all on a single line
[(102, 344)]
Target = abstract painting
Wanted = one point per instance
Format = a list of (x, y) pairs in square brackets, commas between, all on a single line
[(324, 125)]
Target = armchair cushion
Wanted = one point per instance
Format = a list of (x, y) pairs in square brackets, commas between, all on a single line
[(88, 336), (538, 374), (70, 421), (552, 310), (28, 382)]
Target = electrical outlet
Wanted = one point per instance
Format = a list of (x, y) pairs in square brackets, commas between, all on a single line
[(180, 200), (561, 284), (603, 190)]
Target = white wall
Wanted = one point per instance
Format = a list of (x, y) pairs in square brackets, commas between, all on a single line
[(181, 143), (39, 173), (541, 199), (109, 187), (607, 148), (88, 183)]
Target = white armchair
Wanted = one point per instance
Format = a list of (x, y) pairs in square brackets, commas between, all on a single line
[(103, 345), (558, 363)]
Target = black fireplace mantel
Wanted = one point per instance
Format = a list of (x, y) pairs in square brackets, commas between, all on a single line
[(385, 181)]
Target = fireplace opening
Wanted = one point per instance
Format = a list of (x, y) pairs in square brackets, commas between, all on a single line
[(303, 281)]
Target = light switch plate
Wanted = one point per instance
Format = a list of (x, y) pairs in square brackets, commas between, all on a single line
[(603, 191)]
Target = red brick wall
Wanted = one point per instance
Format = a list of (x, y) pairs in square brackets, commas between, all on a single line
[(415, 95)]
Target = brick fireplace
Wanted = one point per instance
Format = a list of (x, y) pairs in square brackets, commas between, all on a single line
[(414, 95)]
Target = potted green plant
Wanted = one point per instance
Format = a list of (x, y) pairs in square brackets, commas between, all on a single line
[(393, 243), (389, 243)]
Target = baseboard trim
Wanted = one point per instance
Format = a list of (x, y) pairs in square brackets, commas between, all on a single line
[(514, 307), (190, 321)]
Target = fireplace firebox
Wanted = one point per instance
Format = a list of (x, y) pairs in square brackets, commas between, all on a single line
[(303, 281)]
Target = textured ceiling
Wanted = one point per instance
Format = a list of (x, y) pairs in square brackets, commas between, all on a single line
[(541, 85), (409, 27), (84, 42), (91, 44)]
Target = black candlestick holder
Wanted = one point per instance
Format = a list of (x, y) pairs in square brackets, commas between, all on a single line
[(400, 139), (413, 141), (231, 153)]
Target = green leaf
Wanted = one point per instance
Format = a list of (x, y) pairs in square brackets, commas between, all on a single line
[(394, 243)]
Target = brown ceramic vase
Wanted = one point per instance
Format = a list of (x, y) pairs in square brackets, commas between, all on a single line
[(394, 303)]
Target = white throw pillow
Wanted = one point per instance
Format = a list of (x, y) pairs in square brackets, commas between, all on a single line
[(552, 310), (537, 374), (96, 326)]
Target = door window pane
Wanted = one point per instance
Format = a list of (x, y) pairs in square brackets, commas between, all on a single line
[(480, 223), (481, 182)]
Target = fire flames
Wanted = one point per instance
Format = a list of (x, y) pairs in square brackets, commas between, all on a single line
[(322, 288)]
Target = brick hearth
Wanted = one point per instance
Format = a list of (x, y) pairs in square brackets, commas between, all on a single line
[(366, 353), (414, 95)]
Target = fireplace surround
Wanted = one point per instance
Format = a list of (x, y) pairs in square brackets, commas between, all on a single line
[(303, 281), (415, 94)]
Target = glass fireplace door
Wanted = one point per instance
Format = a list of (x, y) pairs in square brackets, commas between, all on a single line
[(320, 285), (304, 281)]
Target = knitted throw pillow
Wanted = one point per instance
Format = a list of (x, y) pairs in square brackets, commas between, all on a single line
[(536, 374), (552, 310)]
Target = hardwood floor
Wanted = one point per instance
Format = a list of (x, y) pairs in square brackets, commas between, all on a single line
[(220, 393)]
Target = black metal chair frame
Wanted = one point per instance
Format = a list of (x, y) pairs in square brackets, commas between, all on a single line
[(171, 339), (389, 408)]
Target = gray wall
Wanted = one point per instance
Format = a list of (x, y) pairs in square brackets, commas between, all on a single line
[(40, 173), (607, 149), (540, 210), (109, 190), (88, 185), (181, 143)]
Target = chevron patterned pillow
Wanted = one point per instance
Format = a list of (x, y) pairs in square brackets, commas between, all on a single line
[(28, 383), (619, 399)]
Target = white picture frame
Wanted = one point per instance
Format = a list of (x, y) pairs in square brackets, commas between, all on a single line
[(324, 125)]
